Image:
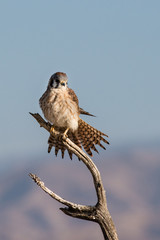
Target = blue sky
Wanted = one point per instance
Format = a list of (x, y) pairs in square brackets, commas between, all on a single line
[(110, 51)]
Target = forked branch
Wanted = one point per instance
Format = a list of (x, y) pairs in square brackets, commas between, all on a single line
[(98, 213)]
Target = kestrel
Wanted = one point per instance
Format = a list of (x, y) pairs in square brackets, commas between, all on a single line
[(60, 107)]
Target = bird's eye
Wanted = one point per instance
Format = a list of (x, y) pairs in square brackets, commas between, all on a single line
[(57, 81)]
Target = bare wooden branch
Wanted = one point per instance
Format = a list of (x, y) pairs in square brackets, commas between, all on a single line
[(98, 213)]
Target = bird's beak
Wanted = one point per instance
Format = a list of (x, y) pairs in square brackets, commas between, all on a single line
[(63, 83)]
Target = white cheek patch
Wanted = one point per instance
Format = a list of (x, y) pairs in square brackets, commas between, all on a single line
[(55, 84)]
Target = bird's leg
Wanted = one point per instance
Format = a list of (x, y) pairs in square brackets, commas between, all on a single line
[(65, 133)]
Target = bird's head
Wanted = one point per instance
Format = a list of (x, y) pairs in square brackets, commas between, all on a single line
[(58, 80)]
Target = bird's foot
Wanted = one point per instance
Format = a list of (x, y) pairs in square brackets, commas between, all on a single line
[(52, 131)]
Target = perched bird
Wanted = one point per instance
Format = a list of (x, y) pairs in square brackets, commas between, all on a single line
[(60, 107)]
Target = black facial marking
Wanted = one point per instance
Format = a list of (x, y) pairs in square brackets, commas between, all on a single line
[(57, 81), (51, 82), (54, 79)]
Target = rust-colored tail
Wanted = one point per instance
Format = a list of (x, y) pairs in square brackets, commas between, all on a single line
[(86, 136)]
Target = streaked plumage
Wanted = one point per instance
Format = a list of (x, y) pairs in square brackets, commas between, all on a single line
[(61, 108)]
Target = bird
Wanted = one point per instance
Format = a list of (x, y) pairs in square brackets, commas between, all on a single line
[(60, 107)]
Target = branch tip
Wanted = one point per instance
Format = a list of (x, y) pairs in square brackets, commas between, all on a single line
[(36, 179)]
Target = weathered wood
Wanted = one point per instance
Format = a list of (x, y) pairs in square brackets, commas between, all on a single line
[(98, 213)]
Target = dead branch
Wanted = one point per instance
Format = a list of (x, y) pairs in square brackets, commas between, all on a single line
[(98, 213)]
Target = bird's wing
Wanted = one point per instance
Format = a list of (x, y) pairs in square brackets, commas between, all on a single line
[(73, 96), (85, 113), (75, 99)]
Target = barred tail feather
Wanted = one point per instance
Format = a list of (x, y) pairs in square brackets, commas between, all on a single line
[(86, 136), (90, 136), (58, 144)]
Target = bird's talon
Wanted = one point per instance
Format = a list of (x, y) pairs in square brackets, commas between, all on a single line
[(52, 130)]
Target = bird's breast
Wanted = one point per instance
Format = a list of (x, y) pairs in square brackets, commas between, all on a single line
[(60, 109)]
